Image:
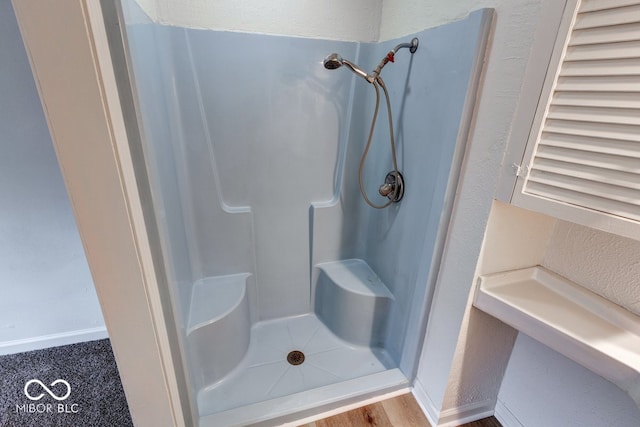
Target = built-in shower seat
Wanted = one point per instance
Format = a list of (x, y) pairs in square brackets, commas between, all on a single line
[(353, 302), (219, 313)]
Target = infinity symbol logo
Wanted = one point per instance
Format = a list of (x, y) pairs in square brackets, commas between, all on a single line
[(52, 394)]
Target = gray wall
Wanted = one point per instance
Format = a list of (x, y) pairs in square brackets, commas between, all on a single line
[(45, 284), (542, 387)]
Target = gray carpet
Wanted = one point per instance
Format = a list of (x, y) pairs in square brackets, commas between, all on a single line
[(96, 396)]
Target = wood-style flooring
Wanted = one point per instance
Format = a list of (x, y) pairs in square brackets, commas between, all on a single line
[(400, 411)]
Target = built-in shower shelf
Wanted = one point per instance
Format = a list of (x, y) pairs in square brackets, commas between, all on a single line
[(568, 318), (215, 297)]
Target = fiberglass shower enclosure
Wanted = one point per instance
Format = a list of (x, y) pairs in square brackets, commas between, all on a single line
[(290, 294)]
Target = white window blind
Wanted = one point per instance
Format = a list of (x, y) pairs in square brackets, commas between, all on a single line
[(587, 151)]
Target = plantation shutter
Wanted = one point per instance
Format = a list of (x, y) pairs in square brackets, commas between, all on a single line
[(587, 150)]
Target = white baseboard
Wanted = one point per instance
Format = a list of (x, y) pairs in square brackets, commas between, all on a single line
[(451, 417), (465, 414), (505, 416), (425, 403), (53, 340)]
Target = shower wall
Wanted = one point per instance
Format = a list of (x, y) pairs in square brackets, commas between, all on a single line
[(428, 92), (243, 134), (253, 151)]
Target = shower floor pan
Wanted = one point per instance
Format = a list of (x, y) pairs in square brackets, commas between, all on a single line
[(265, 389)]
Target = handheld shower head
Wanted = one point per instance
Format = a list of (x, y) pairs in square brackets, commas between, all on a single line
[(334, 61)]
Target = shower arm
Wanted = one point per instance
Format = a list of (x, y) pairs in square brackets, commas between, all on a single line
[(412, 46)]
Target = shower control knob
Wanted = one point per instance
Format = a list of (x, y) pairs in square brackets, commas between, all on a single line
[(385, 189), (393, 187)]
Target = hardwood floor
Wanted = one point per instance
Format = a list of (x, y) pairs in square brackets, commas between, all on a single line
[(400, 411), (487, 422)]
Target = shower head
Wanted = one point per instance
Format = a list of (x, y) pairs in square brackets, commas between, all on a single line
[(334, 61)]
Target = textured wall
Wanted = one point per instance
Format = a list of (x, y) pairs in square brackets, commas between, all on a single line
[(513, 37), (354, 20), (515, 238), (400, 17), (604, 263), (358, 20)]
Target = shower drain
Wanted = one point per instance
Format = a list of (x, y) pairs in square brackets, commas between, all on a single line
[(295, 357)]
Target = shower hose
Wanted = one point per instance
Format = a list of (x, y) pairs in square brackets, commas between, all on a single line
[(378, 81)]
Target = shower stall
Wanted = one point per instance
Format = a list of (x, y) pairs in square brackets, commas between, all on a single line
[(290, 293)]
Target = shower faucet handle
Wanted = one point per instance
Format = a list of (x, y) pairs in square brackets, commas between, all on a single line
[(385, 189), (393, 187)]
